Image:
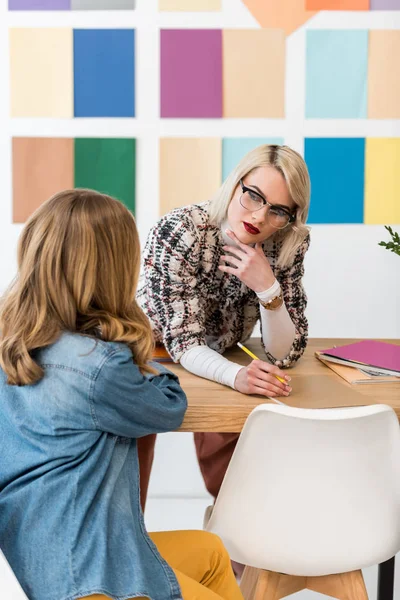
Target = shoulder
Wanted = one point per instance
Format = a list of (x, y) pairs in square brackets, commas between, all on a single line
[(181, 230), (81, 353), (302, 248)]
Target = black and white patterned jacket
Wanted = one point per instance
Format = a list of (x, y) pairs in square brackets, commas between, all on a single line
[(190, 302)]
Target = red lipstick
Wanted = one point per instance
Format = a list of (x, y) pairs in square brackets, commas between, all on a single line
[(250, 228)]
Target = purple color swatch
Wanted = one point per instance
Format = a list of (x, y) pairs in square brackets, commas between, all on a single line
[(39, 4), (191, 73), (385, 5)]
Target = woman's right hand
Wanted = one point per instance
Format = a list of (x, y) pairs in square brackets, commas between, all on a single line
[(258, 378)]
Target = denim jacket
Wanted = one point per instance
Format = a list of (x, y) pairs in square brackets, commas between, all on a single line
[(70, 518)]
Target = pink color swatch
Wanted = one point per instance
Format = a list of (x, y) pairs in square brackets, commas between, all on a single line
[(191, 73)]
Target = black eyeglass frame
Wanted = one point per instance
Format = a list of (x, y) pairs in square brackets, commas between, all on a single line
[(291, 215)]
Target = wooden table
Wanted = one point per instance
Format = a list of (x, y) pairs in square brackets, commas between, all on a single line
[(214, 407)]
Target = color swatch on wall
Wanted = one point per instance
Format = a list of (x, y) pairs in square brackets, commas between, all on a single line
[(41, 72), (190, 171), (190, 5), (71, 4), (384, 75), (44, 166), (210, 73), (337, 4), (352, 74), (382, 183), (191, 73), (336, 167), (60, 72), (104, 73)]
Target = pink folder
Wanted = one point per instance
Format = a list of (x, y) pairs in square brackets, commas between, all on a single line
[(369, 352)]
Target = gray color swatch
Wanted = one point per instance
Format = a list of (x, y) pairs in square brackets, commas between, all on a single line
[(103, 4)]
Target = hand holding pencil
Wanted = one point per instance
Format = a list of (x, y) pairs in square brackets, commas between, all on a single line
[(262, 378)]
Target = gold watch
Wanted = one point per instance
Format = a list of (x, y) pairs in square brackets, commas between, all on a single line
[(274, 303)]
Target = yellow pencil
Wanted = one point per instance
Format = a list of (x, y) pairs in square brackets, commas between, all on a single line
[(253, 356)]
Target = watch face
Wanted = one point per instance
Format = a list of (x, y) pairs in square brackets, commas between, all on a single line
[(274, 303)]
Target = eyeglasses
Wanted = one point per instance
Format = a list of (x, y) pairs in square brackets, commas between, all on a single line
[(277, 216)]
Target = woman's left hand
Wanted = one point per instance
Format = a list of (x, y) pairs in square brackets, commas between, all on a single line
[(250, 265)]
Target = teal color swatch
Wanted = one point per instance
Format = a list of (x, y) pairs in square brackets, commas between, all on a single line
[(234, 149), (336, 167), (336, 74)]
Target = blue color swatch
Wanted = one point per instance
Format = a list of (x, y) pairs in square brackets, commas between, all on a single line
[(336, 167), (104, 72), (233, 150), (336, 77)]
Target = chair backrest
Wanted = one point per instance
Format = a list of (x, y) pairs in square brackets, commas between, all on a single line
[(312, 492), (10, 589)]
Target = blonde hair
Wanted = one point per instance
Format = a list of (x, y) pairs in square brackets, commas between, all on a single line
[(294, 170), (78, 267)]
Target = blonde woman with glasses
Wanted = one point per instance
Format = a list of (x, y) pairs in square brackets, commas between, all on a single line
[(76, 392), (212, 271)]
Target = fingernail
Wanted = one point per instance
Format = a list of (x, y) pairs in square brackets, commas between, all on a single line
[(286, 393), (288, 388), (288, 378)]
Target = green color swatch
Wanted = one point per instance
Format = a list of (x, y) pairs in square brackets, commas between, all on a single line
[(107, 165)]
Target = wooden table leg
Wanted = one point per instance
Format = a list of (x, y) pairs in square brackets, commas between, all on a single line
[(386, 580)]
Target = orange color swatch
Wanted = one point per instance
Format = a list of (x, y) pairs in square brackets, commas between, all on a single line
[(288, 15), (41, 167), (337, 4)]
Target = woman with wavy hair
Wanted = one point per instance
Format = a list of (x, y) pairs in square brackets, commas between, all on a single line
[(212, 271), (76, 392)]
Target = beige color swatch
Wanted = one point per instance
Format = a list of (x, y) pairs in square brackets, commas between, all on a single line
[(190, 171), (384, 75), (41, 72), (288, 15), (254, 73), (190, 5), (41, 167)]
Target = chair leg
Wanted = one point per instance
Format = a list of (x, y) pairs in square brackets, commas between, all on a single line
[(386, 580), (257, 584), (344, 586)]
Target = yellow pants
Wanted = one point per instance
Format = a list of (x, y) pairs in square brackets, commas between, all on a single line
[(201, 565)]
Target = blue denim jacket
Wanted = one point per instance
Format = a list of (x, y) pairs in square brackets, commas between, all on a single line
[(70, 518)]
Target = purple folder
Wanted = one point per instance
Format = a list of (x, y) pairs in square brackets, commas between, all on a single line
[(369, 352)]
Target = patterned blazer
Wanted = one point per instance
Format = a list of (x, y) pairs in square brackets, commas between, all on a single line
[(190, 302)]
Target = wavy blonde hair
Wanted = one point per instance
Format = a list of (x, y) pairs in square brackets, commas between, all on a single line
[(294, 170), (78, 267)]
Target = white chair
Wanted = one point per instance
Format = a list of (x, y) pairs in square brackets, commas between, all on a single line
[(310, 498), (10, 588)]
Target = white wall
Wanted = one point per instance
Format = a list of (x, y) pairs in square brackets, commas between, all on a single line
[(353, 285)]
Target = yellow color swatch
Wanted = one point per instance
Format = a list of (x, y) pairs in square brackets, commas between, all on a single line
[(382, 182), (384, 75), (190, 5), (254, 73), (190, 171), (41, 72)]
